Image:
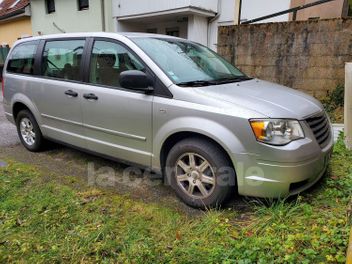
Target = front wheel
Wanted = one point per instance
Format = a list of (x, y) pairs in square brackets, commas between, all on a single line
[(29, 132), (200, 173)]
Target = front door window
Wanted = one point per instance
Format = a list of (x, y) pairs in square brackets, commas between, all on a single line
[(108, 60)]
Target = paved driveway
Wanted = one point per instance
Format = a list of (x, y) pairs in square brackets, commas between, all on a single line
[(8, 133)]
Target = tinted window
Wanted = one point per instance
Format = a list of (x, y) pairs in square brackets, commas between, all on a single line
[(22, 58), (50, 6), (108, 61), (83, 4), (62, 59)]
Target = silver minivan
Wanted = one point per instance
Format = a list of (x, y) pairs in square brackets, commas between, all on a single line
[(170, 105)]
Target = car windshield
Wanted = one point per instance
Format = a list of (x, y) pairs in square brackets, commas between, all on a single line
[(189, 64)]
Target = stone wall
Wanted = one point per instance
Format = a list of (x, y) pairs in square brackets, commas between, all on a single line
[(305, 55)]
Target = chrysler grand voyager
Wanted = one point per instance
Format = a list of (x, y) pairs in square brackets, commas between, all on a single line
[(170, 105)]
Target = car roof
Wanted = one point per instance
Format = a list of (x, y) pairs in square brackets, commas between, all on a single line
[(129, 35)]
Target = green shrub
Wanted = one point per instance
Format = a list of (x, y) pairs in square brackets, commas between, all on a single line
[(334, 99), (334, 103)]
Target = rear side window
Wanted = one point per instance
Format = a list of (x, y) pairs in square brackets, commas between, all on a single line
[(62, 59), (22, 58)]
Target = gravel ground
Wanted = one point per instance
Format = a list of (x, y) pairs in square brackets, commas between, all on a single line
[(8, 132)]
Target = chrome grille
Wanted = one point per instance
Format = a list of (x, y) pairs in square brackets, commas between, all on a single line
[(321, 128)]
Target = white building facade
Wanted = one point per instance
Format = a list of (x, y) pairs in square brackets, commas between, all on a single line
[(196, 20)]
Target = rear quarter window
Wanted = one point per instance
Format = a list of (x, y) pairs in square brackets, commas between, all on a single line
[(22, 58)]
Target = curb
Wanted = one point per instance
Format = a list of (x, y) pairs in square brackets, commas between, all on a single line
[(349, 250)]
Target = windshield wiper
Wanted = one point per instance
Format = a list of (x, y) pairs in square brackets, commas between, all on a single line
[(232, 79), (200, 83), (195, 83)]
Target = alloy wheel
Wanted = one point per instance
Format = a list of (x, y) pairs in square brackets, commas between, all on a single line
[(195, 175), (27, 131)]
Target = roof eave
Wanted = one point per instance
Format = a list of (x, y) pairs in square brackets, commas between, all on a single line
[(182, 10), (23, 12)]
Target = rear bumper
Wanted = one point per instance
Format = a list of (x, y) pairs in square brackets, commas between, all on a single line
[(274, 179)]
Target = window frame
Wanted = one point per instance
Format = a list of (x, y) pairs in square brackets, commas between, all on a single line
[(163, 91), (82, 68), (117, 43), (47, 7), (160, 89), (35, 57), (81, 7)]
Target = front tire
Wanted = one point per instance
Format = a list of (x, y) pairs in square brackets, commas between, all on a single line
[(200, 173), (29, 132)]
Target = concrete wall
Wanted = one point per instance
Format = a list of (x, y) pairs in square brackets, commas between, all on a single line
[(11, 30), (306, 55), (250, 9), (68, 18)]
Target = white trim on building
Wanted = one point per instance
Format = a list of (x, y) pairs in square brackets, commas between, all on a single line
[(197, 20)]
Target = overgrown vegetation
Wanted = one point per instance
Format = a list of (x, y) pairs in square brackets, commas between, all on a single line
[(334, 103), (43, 219)]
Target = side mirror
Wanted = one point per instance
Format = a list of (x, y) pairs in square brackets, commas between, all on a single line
[(136, 80)]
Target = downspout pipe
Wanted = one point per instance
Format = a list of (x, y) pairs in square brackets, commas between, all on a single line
[(213, 20), (102, 6)]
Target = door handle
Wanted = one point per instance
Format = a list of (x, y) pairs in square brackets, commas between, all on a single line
[(71, 93), (90, 96)]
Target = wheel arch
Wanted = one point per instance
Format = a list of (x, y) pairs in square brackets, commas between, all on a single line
[(21, 102), (179, 136), (180, 128), (17, 107)]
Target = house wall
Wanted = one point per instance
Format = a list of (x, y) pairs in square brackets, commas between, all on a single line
[(334, 9), (11, 30), (68, 18), (198, 29), (135, 7), (252, 9), (161, 27), (306, 55)]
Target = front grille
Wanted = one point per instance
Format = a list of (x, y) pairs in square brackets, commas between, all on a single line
[(321, 128)]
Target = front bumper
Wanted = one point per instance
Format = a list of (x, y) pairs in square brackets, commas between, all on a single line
[(267, 179)]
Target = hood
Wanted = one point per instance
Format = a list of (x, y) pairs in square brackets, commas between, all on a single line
[(269, 99)]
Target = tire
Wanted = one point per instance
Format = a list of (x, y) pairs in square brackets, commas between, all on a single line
[(27, 128), (206, 184)]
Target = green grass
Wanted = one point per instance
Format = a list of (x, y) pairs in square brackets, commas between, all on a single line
[(43, 219)]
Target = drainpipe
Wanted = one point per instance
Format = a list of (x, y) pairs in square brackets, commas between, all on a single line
[(102, 5), (213, 20), (238, 9), (58, 28)]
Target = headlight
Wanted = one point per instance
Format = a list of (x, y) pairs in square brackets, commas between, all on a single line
[(276, 131)]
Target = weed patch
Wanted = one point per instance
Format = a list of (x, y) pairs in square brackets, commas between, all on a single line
[(51, 221)]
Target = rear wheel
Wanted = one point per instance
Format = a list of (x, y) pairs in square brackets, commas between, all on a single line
[(29, 131), (200, 173)]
